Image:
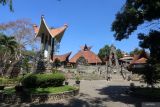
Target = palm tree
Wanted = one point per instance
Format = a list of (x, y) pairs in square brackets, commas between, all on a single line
[(9, 2), (8, 43), (8, 46)]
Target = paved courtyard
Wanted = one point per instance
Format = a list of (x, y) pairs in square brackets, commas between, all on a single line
[(95, 93)]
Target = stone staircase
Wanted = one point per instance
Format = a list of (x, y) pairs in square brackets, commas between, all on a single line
[(119, 76), (116, 77)]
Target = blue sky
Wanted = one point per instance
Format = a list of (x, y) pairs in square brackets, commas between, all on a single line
[(89, 21)]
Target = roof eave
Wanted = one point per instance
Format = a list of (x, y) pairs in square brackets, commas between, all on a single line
[(42, 25)]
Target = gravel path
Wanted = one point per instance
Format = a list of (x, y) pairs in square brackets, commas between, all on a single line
[(95, 93)]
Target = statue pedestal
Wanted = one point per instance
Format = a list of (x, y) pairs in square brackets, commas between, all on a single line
[(48, 67), (44, 66)]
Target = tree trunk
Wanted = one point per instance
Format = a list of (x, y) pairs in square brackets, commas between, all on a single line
[(9, 70)]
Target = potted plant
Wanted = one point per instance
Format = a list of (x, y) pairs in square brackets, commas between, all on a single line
[(77, 80), (66, 79), (66, 82)]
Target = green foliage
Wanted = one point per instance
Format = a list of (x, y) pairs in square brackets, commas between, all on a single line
[(136, 51), (25, 64), (9, 90), (52, 89), (9, 2), (8, 81), (133, 14), (9, 43), (104, 52), (77, 78), (8, 46), (4, 81), (151, 42), (43, 80), (119, 54)]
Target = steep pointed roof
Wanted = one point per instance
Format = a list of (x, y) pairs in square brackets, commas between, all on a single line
[(86, 48), (56, 33), (62, 58), (85, 51)]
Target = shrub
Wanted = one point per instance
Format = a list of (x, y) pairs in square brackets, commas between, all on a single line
[(43, 80), (4, 81)]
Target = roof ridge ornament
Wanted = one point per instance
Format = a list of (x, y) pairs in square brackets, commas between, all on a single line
[(42, 16)]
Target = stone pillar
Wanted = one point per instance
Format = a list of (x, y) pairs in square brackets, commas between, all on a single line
[(49, 48), (52, 46), (42, 42), (46, 44)]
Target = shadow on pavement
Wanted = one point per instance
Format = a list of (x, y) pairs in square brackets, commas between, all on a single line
[(118, 94)]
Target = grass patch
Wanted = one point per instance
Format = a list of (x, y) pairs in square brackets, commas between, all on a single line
[(54, 90), (9, 90), (48, 90)]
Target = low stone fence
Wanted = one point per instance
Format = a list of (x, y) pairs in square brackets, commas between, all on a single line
[(36, 98), (41, 98), (10, 98)]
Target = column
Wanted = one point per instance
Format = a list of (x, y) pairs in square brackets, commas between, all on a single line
[(52, 47), (45, 46), (42, 42), (49, 47)]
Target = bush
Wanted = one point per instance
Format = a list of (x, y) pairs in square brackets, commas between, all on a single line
[(3, 81), (43, 80)]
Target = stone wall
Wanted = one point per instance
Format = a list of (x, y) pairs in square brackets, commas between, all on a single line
[(41, 98), (36, 98)]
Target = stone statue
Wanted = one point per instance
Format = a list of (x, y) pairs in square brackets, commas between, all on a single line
[(113, 60)]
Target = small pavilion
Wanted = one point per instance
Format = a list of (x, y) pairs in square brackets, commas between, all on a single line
[(49, 37), (64, 59)]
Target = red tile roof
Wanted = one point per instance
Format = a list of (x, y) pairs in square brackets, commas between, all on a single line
[(62, 58), (91, 57), (140, 58), (141, 61), (135, 58), (54, 32), (126, 58)]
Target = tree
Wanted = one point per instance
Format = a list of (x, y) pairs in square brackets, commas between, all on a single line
[(9, 43), (133, 14), (104, 52), (23, 32), (8, 46), (151, 42), (4, 2), (119, 53), (136, 51)]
